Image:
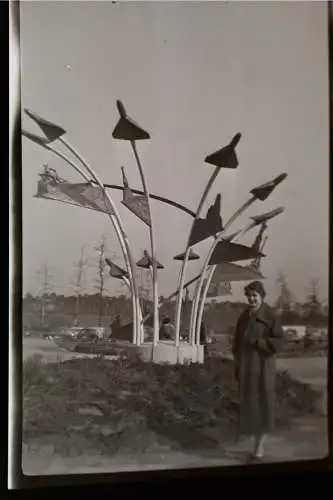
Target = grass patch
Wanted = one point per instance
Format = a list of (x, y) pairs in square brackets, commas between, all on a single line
[(126, 404)]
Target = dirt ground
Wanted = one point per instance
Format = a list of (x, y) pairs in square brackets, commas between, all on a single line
[(305, 439)]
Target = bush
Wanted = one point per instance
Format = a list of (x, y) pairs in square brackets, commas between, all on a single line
[(130, 400)]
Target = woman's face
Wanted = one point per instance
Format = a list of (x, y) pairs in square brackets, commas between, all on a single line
[(254, 299)]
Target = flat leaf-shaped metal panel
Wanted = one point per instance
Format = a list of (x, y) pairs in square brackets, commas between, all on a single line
[(211, 225), (51, 130), (116, 271), (192, 256), (96, 199), (225, 157), (51, 192), (264, 190), (79, 194), (127, 130), (228, 271), (146, 262), (226, 251), (137, 204), (222, 289), (258, 240)]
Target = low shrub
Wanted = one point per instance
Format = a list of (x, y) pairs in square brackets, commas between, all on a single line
[(125, 402)]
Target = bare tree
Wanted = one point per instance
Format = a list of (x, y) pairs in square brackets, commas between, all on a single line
[(99, 282), (46, 288), (78, 281), (144, 277), (313, 305), (102, 273), (285, 298)]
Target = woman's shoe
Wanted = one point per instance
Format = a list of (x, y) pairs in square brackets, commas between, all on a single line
[(259, 447), (259, 453)]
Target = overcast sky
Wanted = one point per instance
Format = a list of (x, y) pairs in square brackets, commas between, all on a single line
[(193, 75)]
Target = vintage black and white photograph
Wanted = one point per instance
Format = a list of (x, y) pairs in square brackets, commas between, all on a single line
[(175, 201)]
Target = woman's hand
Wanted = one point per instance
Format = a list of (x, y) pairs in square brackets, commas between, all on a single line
[(264, 347)]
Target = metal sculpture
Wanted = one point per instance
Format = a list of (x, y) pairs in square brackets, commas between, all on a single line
[(162, 199), (261, 193), (196, 317), (44, 143), (118, 273), (228, 271), (137, 204), (54, 132), (128, 130), (209, 226), (223, 254), (147, 262), (192, 256), (79, 194), (255, 265), (220, 289), (223, 158)]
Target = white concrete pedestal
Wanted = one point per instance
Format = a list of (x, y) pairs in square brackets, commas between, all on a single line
[(166, 352)]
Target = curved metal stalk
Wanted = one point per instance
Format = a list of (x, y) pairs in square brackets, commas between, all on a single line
[(247, 228), (122, 237), (141, 337), (152, 243), (155, 197), (174, 294), (194, 325), (62, 156), (204, 294), (69, 161), (181, 278), (136, 313)]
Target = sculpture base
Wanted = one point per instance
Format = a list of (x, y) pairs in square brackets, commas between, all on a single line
[(167, 353)]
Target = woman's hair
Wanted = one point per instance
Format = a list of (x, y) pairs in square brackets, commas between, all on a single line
[(255, 286)]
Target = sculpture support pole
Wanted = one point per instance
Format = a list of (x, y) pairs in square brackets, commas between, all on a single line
[(122, 237), (67, 160), (136, 314), (204, 296), (141, 337), (174, 294), (195, 325), (152, 243), (159, 198), (181, 279), (200, 283)]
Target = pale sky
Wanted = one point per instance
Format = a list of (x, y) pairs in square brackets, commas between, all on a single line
[(193, 75)]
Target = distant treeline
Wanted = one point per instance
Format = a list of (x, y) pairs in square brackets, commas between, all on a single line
[(61, 310)]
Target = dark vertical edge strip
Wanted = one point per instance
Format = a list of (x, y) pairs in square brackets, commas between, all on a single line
[(330, 325), (15, 242)]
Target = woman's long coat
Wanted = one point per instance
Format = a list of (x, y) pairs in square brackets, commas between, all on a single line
[(257, 339)]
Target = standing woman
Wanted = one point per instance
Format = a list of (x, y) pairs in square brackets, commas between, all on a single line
[(258, 338)]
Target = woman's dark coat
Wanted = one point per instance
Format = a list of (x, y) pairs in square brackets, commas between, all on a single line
[(257, 338)]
